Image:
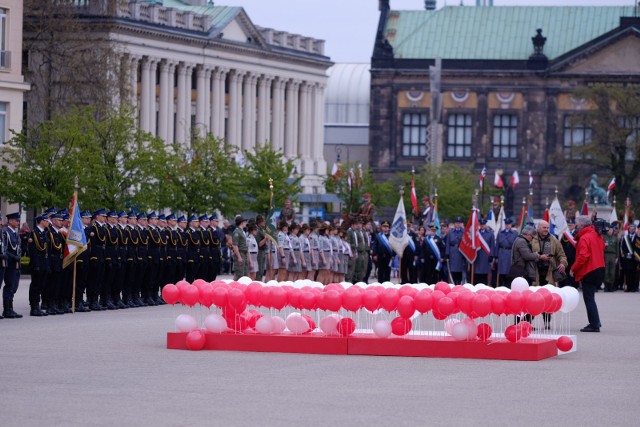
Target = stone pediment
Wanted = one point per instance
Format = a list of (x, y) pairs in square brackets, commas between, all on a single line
[(240, 29), (622, 56)]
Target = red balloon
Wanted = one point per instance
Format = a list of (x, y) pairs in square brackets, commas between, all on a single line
[(346, 326), (198, 283), (220, 296), (334, 287), (389, 299), (564, 343), (438, 315), (196, 340), (307, 300), (253, 293), (352, 299), (511, 334), (442, 287), (497, 303), (237, 299), (237, 322), (407, 290), (406, 307), (484, 331), (400, 326), (278, 297), (254, 318), (371, 300), (524, 328), (548, 299), (557, 302), (182, 284), (171, 294), (534, 304), (465, 302), (423, 301), (332, 300), (206, 295), (190, 295), (515, 302), (445, 306), (310, 321), (481, 305)]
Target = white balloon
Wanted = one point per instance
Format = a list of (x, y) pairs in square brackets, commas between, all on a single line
[(570, 298), (460, 331), (449, 324), (503, 289), (215, 323), (278, 325), (329, 324), (552, 288), (519, 284), (245, 280), (264, 325), (297, 324), (469, 286), (186, 323), (272, 283), (388, 284), (382, 328), (472, 328)]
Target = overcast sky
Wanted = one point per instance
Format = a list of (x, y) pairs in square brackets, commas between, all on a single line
[(349, 26)]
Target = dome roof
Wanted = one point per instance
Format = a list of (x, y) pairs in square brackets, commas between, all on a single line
[(347, 94)]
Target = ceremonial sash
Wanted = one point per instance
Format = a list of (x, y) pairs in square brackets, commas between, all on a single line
[(436, 251), (385, 242)]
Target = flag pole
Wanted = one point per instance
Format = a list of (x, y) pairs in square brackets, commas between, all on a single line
[(474, 204), (73, 289), (270, 211), (499, 227)]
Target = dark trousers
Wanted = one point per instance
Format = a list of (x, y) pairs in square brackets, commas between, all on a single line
[(51, 292), (151, 283), (384, 271), (505, 280), (96, 276), (192, 270), (11, 281), (36, 289), (457, 277), (590, 284), (82, 272), (408, 271), (141, 273), (368, 267), (631, 277), (480, 278), (180, 271), (129, 279), (109, 277), (118, 282)]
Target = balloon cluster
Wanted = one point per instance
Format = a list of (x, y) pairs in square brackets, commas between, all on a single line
[(442, 300)]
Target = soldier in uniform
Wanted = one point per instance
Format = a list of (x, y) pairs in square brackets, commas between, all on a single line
[(142, 265), (53, 289), (408, 270), (504, 243), (111, 264), (367, 209), (261, 238), (610, 260), (240, 249), (204, 271), (193, 257), (432, 256), (163, 278), (183, 249), (630, 258), (172, 238), (353, 236), (11, 263), (119, 286), (216, 240), (482, 264), (452, 253), (155, 260), (39, 243), (382, 253), (131, 261)]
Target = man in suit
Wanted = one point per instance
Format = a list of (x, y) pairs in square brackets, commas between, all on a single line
[(39, 242), (12, 252)]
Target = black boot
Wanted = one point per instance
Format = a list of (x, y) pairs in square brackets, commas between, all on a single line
[(9, 313), (36, 312)]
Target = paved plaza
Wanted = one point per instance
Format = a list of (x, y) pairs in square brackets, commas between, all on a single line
[(112, 368)]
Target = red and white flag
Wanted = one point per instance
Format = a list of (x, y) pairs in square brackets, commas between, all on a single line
[(414, 198), (497, 181), (530, 179), (469, 245), (483, 173), (611, 186), (350, 178), (335, 170), (515, 179)]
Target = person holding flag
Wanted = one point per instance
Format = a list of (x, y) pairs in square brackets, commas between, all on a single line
[(427, 215)]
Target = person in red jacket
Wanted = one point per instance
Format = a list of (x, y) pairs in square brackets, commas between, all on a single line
[(589, 268)]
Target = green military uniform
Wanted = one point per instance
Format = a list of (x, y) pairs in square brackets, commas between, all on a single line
[(610, 256), (262, 252), (363, 256), (354, 239), (240, 240)]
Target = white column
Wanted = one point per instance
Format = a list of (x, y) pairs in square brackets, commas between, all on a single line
[(249, 112), (235, 108), (163, 100), (145, 95), (181, 104), (291, 121), (218, 103), (317, 133), (170, 100), (200, 100), (153, 108), (133, 79), (264, 101), (207, 100), (304, 124), (277, 116), (187, 102)]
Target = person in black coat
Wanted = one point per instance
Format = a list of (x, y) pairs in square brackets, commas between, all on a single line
[(431, 256), (382, 253), (39, 244), (11, 261)]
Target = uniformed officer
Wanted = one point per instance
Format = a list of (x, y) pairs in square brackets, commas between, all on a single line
[(193, 258), (261, 238), (217, 240), (173, 239), (408, 270), (12, 253), (382, 252), (119, 287), (354, 238), (39, 243), (131, 261), (630, 258), (482, 264), (111, 264), (163, 278), (142, 266), (206, 261), (504, 243), (432, 256), (183, 248), (454, 256), (610, 258), (155, 260), (240, 249), (53, 289)]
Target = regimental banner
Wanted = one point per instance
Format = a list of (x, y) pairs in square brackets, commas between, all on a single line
[(399, 238)]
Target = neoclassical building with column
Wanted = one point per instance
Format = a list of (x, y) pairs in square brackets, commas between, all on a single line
[(193, 68)]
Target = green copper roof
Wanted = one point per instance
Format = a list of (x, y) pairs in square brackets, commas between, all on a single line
[(221, 15), (500, 33)]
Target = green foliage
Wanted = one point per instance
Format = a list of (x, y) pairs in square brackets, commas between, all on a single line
[(262, 164), (615, 138), (362, 182)]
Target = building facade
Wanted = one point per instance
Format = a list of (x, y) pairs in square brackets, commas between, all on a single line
[(495, 87), (12, 84), (194, 68)]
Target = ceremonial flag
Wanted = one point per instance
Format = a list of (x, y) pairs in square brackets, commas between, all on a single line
[(335, 170), (359, 175), (611, 186), (530, 179), (522, 219), (545, 215), (613, 217), (625, 223), (399, 237), (76, 239), (585, 208), (483, 173), (483, 244), (469, 245), (515, 179), (271, 227), (529, 210), (436, 218), (350, 179), (558, 221), (491, 220), (497, 181), (499, 222), (414, 198)]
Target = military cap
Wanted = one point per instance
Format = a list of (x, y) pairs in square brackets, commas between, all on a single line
[(259, 218), (508, 221), (56, 216), (458, 219), (142, 215), (162, 217), (193, 218), (213, 217), (571, 221), (100, 212), (41, 217), (182, 219), (171, 216), (112, 214), (50, 211), (240, 220), (385, 224), (15, 215), (482, 221), (66, 217), (63, 212), (122, 214), (85, 214), (131, 214), (204, 218), (433, 226), (152, 215)]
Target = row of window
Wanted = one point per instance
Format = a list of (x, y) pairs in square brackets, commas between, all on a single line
[(504, 142)]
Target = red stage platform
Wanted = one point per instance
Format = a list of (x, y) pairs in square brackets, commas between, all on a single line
[(368, 344)]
